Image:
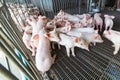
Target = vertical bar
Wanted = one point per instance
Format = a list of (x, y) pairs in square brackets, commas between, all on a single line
[(19, 43), (79, 3), (5, 50), (7, 62)]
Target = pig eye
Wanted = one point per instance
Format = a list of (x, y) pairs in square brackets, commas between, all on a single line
[(50, 23)]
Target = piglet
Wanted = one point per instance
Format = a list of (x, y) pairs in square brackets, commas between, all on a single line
[(50, 25), (43, 58), (32, 21), (42, 20), (65, 29), (98, 21), (92, 37), (84, 21), (91, 22), (78, 25), (70, 42), (108, 22), (114, 37), (53, 36), (67, 16), (27, 36)]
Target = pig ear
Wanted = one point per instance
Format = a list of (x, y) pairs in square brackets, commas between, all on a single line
[(47, 35), (76, 39), (35, 37), (96, 31), (112, 17), (105, 15)]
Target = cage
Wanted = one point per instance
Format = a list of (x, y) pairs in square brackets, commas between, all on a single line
[(97, 64)]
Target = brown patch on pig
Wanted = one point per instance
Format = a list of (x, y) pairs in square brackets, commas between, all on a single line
[(35, 37), (77, 39)]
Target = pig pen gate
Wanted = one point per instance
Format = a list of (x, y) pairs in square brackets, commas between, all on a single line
[(97, 64)]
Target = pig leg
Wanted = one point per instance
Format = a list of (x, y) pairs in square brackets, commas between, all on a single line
[(96, 26), (117, 47), (53, 47), (73, 53), (59, 46), (68, 51), (53, 59), (27, 44), (101, 27), (94, 43), (110, 27), (33, 51), (106, 27)]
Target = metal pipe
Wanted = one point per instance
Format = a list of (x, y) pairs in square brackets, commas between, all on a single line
[(3, 48), (18, 37), (31, 69), (7, 74)]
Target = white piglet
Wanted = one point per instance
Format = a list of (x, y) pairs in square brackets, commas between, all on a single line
[(92, 37), (98, 21), (67, 16), (27, 37), (70, 42), (43, 57), (114, 37), (108, 22), (42, 21)]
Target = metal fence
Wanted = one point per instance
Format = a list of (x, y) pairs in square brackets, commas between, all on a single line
[(11, 44)]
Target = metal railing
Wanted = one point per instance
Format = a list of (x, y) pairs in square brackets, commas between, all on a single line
[(11, 39)]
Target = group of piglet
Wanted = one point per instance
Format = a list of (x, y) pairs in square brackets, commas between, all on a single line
[(20, 12), (66, 30)]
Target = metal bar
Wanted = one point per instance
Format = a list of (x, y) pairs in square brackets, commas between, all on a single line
[(31, 67), (3, 48), (7, 62), (21, 10), (7, 74), (16, 19)]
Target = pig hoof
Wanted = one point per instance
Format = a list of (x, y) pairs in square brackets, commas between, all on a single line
[(33, 54), (74, 55), (68, 55), (113, 45), (114, 53), (54, 56)]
